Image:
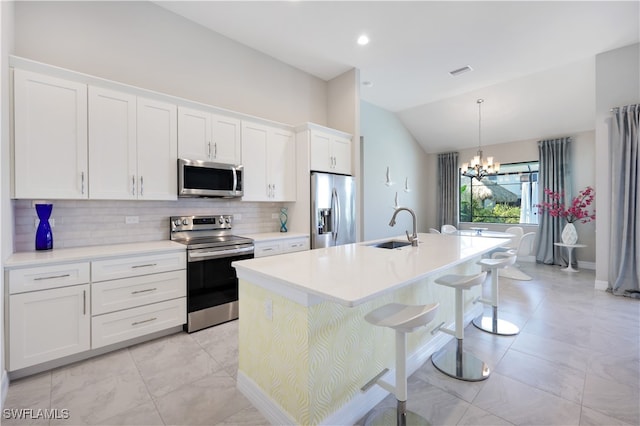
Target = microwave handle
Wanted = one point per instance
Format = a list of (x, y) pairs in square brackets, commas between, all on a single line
[(235, 179)]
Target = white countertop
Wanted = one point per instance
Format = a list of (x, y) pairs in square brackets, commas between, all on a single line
[(272, 236), (355, 273), (75, 254)]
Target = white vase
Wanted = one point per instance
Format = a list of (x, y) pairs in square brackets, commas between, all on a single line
[(569, 234)]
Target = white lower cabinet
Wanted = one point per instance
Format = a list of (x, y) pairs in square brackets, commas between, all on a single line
[(64, 309), (48, 324), (280, 246)]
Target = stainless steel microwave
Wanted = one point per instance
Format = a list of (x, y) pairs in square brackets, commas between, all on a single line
[(206, 179)]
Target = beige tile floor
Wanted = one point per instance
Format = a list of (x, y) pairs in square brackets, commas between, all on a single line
[(576, 361)]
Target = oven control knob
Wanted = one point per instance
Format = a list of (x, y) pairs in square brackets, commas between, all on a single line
[(177, 222), (227, 220), (221, 220), (185, 221)]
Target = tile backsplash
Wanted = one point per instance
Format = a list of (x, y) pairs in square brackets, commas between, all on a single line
[(96, 222)]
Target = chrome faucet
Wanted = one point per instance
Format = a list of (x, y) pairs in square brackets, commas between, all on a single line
[(413, 238)]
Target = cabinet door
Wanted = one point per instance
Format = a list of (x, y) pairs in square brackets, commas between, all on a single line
[(281, 165), (50, 141), (49, 324), (341, 155), (254, 154), (320, 157), (194, 134), (157, 150), (225, 140), (112, 144)]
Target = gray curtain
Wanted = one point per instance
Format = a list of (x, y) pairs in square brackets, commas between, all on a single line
[(448, 188), (555, 175), (624, 272)]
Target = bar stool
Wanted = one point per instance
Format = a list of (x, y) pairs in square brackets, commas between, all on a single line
[(403, 319), (492, 324), (458, 363)]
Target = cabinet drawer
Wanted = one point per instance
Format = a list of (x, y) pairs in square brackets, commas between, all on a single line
[(124, 325), (47, 277), (133, 266), (300, 244), (265, 249), (125, 293)]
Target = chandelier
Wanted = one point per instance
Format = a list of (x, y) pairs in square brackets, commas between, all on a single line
[(478, 167)]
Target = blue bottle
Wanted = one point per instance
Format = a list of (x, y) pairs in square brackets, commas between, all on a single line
[(44, 237)]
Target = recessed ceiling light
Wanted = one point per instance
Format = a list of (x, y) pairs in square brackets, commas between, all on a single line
[(462, 70), (367, 83), (363, 40)]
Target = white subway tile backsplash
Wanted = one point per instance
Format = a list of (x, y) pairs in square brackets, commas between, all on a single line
[(97, 222)]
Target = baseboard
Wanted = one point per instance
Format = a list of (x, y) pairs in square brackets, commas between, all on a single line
[(360, 404), (587, 265), (4, 388), (601, 285)]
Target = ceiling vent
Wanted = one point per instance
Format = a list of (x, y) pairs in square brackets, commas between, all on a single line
[(459, 71)]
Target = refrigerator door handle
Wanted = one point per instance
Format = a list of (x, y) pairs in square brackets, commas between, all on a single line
[(336, 214)]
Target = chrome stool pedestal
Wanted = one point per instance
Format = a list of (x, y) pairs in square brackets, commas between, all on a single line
[(403, 319), (492, 324), (457, 363)]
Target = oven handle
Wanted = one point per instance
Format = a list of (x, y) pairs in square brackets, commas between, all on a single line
[(220, 253)]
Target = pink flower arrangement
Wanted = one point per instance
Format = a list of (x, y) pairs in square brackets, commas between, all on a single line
[(578, 210)]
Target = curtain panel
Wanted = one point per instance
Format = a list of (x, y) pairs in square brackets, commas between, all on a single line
[(555, 156), (624, 260), (448, 189)]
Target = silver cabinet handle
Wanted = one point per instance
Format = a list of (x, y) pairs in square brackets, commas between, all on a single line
[(141, 186), (209, 150), (215, 150), (143, 291), (269, 191), (133, 185), (273, 190), (143, 321), (84, 302), (51, 277), (82, 183), (146, 265)]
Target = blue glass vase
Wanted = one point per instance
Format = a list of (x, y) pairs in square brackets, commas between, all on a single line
[(283, 219), (44, 237)]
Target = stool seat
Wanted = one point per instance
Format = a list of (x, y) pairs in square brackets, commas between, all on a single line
[(458, 363), (505, 259), (405, 318)]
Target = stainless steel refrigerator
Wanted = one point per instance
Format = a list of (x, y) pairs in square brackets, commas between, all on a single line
[(332, 210)]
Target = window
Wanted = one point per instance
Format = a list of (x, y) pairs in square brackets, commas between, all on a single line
[(506, 197)]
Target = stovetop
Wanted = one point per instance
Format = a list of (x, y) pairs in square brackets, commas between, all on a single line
[(204, 231)]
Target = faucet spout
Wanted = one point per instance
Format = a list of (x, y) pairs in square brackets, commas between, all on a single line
[(413, 238)]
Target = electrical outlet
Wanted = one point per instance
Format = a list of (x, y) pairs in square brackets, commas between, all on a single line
[(275, 216), (237, 217), (268, 309), (130, 220)]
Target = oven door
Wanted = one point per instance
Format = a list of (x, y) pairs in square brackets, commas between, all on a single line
[(212, 286)]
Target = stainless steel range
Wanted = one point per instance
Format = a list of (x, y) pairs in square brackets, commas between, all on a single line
[(212, 284)]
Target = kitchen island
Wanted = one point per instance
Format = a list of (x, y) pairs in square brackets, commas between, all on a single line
[(304, 347)]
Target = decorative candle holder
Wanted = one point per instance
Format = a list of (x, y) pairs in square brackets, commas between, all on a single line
[(44, 237), (283, 219)]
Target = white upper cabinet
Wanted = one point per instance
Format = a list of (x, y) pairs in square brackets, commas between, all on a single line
[(330, 153), (208, 137), (157, 147), (269, 163), (112, 144), (50, 143), (132, 147)]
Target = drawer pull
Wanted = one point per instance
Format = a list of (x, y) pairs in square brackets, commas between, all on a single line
[(51, 277), (143, 321), (144, 291), (146, 265)]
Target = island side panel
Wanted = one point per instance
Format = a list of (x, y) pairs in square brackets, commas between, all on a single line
[(312, 361)]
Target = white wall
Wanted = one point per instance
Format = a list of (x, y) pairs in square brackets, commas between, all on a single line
[(387, 143), (617, 84), (583, 175), (144, 45), (6, 216)]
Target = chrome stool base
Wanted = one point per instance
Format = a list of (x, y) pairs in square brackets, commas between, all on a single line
[(460, 365), (395, 416), (492, 324)]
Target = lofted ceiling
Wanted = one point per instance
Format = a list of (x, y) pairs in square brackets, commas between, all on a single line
[(533, 62)]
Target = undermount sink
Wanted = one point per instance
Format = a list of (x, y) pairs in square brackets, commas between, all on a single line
[(391, 244)]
